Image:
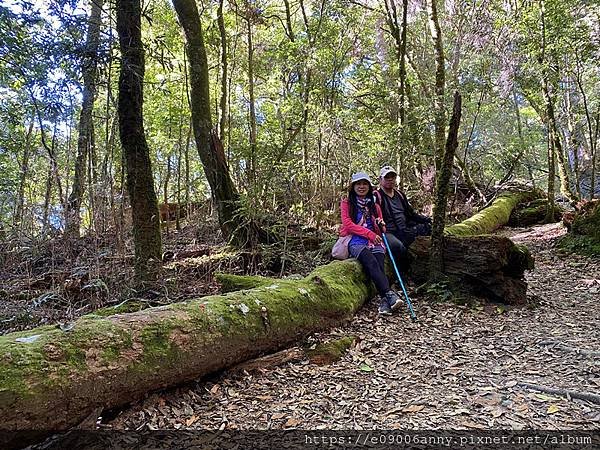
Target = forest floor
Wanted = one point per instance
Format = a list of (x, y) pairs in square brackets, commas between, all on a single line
[(456, 368)]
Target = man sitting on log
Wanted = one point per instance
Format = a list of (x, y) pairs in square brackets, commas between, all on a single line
[(403, 224)]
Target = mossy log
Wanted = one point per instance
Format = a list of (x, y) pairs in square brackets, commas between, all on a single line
[(492, 217), (531, 213), (51, 379), (230, 282), (487, 266)]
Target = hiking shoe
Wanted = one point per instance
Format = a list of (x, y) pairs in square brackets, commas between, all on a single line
[(393, 300), (384, 308)]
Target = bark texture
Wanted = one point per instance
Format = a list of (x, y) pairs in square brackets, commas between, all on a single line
[(441, 192), (487, 266), (210, 148), (140, 183), (86, 124), (440, 82), (52, 380)]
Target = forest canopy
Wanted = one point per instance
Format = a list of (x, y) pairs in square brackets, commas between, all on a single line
[(303, 93)]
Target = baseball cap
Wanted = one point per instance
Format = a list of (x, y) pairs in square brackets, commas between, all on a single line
[(360, 176), (387, 169)]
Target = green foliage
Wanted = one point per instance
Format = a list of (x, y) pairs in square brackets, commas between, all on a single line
[(326, 99)]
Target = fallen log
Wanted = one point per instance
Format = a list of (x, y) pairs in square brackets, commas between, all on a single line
[(487, 266), (492, 217), (52, 380)]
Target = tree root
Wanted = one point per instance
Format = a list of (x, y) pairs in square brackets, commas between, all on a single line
[(588, 396)]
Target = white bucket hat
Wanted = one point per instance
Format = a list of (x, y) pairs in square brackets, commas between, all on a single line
[(360, 176)]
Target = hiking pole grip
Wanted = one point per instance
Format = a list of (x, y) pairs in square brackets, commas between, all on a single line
[(411, 311)]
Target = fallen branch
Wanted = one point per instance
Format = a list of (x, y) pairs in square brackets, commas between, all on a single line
[(267, 362), (587, 396), (568, 348)]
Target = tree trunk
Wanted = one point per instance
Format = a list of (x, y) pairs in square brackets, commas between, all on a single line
[(556, 145), (436, 260), (592, 136), (27, 146), (440, 83), (210, 149), (89, 69), (140, 184), (572, 143), (224, 94), (252, 163), (107, 362)]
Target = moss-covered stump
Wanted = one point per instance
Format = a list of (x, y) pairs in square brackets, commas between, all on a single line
[(487, 266), (584, 229), (492, 217), (52, 379), (531, 213), (232, 283), (328, 352)]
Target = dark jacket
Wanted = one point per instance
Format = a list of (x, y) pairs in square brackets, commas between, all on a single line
[(413, 225)]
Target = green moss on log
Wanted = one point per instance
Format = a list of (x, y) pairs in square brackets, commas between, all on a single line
[(328, 352), (52, 379), (132, 305), (531, 213), (492, 217), (231, 283)]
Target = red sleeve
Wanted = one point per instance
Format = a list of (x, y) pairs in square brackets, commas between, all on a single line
[(349, 227)]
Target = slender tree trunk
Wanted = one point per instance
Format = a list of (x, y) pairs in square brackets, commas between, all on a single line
[(565, 184), (551, 176), (440, 83), (166, 192), (571, 140), (288, 21), (224, 75), (436, 262), (591, 134), (89, 69), (595, 156), (210, 149), (403, 79), (140, 184), (554, 136), (252, 166), (27, 145), (47, 200)]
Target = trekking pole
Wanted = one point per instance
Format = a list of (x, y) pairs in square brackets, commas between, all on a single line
[(413, 316)]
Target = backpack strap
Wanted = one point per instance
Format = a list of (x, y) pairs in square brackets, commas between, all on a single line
[(377, 196)]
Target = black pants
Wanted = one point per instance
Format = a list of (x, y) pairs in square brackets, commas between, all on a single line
[(373, 265), (398, 249)]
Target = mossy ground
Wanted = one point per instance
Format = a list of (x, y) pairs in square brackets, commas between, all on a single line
[(583, 245)]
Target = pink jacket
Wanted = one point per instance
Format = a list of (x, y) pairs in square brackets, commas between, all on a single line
[(349, 227)]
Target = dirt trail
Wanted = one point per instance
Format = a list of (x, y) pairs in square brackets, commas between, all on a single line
[(457, 368)]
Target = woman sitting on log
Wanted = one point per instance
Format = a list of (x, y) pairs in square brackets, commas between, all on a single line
[(361, 218)]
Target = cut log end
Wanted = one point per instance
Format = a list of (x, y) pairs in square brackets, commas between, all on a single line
[(492, 267)]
